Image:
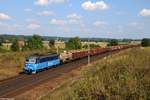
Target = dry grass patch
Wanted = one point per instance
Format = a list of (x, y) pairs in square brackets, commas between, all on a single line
[(123, 76), (11, 63)]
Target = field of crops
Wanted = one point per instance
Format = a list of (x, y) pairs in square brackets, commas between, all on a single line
[(123, 76)]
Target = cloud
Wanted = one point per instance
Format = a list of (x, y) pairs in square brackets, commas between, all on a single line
[(73, 16), (58, 22), (99, 23), (4, 16), (145, 12), (47, 2), (99, 5), (33, 26), (42, 2), (66, 22), (46, 13), (71, 19)]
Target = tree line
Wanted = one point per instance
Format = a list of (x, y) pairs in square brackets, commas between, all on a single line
[(35, 42)]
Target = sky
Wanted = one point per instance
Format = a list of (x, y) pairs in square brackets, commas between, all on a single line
[(69, 18)]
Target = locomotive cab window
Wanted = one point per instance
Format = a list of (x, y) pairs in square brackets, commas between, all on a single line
[(31, 60)]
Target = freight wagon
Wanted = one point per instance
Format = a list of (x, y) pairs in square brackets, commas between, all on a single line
[(79, 54), (65, 57)]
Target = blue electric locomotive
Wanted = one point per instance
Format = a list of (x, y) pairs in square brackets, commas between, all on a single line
[(35, 63)]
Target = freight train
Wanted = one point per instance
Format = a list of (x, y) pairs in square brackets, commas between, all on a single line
[(35, 63)]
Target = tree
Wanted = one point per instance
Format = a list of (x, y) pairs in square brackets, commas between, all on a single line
[(113, 42), (2, 40), (145, 42), (51, 43), (35, 42), (74, 43), (15, 46), (127, 40), (1, 43), (25, 47)]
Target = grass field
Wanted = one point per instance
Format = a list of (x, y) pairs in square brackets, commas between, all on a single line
[(11, 63), (123, 76)]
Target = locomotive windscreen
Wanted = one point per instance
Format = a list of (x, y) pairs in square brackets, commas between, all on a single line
[(31, 60)]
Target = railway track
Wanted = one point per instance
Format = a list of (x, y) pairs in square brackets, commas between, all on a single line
[(14, 86)]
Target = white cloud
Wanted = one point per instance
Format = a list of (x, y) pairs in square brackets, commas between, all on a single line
[(71, 19), (58, 22), (47, 2), (28, 10), (46, 13), (65, 22), (145, 12), (73, 16), (33, 26), (99, 5), (42, 2), (4, 16), (99, 23)]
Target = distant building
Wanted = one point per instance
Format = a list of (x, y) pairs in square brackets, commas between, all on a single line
[(46, 44), (7, 46), (101, 44), (60, 44), (135, 42), (21, 43), (57, 44)]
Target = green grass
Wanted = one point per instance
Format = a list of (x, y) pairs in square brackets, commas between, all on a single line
[(123, 76)]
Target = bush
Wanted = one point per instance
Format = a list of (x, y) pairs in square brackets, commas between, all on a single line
[(145, 42), (74, 43), (15, 46), (35, 43), (113, 42), (124, 76), (51, 43), (2, 50)]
